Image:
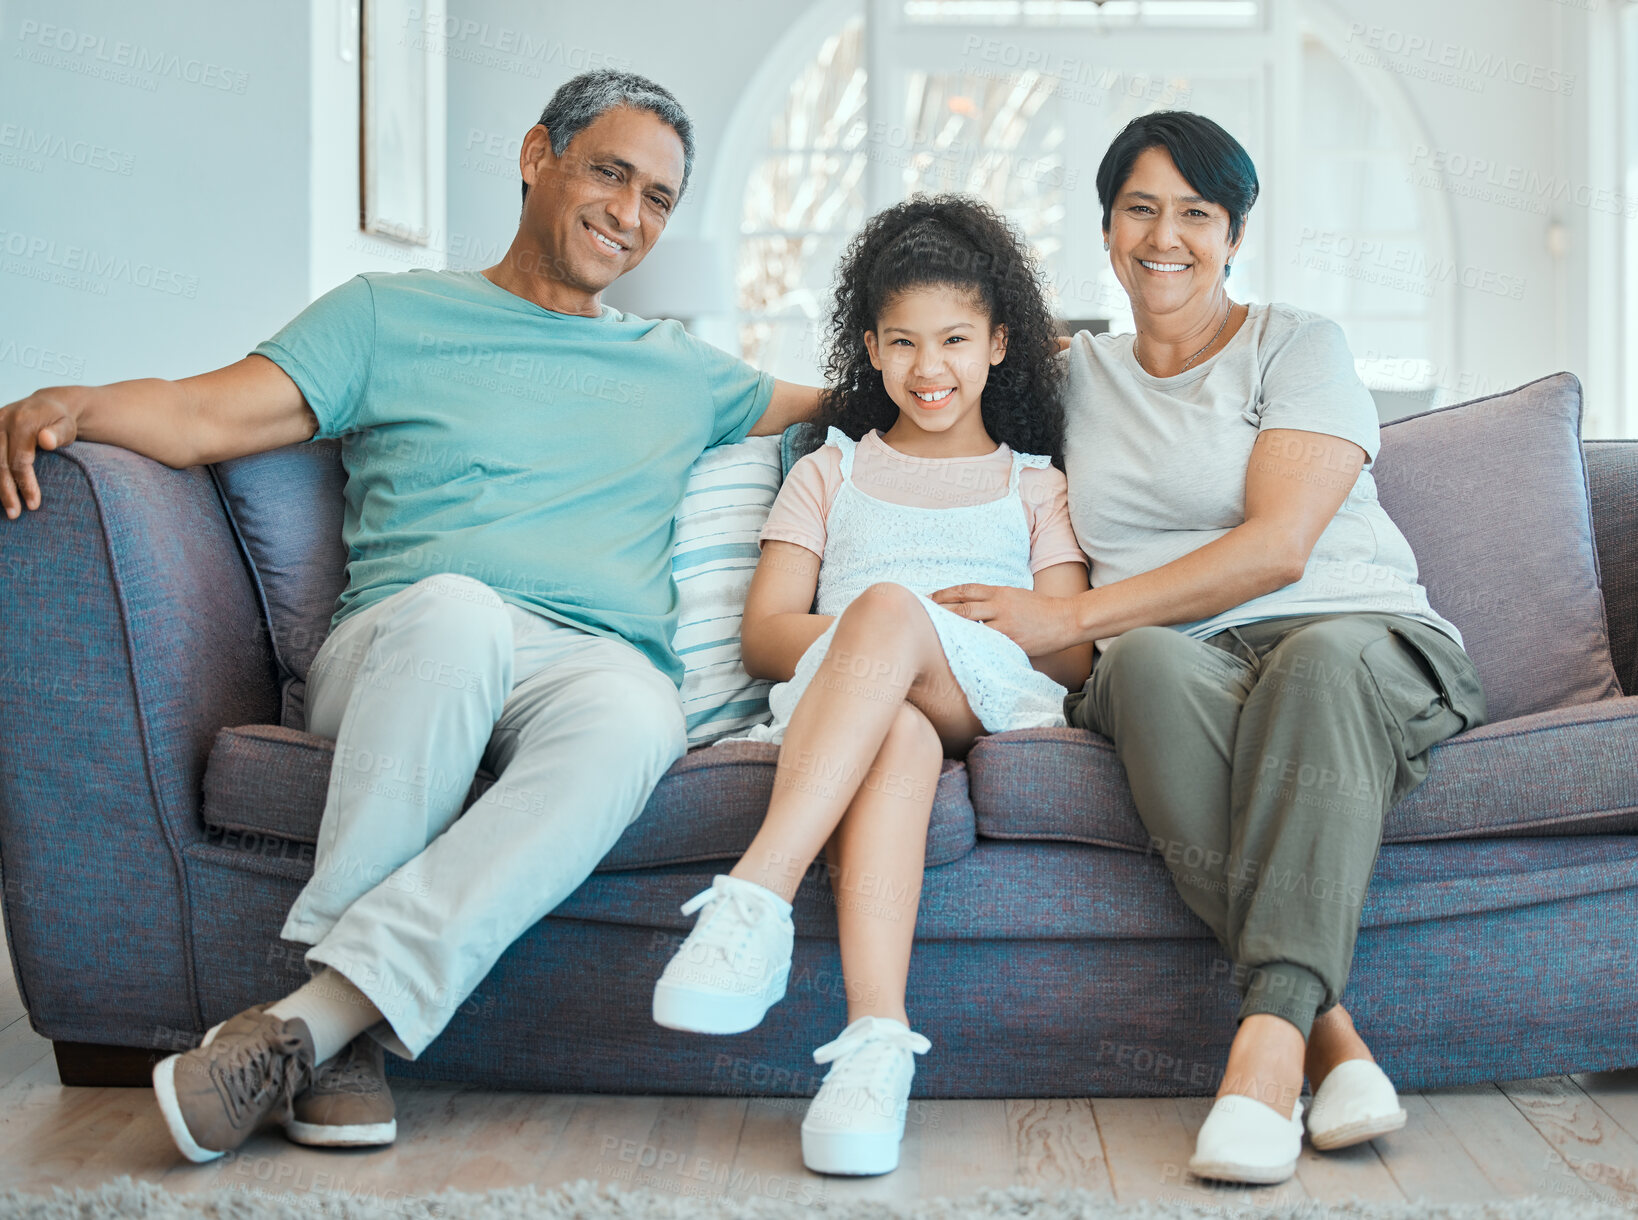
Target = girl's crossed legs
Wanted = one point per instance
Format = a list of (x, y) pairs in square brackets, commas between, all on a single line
[(857, 771), (856, 776)]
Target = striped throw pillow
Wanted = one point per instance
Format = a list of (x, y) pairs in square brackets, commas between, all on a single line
[(730, 490)]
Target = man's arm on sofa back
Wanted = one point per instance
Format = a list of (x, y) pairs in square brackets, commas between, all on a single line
[(247, 407), (130, 635)]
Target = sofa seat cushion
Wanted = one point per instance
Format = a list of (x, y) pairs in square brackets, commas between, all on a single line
[(268, 780), (1566, 771), (1056, 785)]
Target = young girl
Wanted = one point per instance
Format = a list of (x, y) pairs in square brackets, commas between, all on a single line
[(945, 401)]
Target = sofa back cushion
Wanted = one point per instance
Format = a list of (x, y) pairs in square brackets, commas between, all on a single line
[(730, 490), (1492, 496), (797, 442), (286, 506), (1612, 473)]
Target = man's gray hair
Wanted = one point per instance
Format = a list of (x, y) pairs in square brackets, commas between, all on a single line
[(584, 99)]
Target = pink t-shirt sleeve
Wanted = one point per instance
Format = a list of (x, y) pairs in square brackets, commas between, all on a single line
[(802, 507), (1045, 493)]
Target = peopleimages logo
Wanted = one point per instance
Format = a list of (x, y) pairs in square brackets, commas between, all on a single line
[(1078, 79), (44, 256), (44, 144), (124, 62), (523, 370), (39, 359), (1391, 265), (499, 46), (1452, 57), (1512, 185)]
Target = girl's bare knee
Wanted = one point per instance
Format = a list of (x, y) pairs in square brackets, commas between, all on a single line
[(913, 734), (884, 634)]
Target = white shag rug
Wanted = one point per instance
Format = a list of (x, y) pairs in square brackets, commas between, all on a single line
[(124, 1199)]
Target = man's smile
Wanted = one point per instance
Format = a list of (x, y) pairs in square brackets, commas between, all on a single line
[(604, 242)]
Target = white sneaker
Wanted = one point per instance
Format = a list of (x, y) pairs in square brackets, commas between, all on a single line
[(856, 1122), (734, 965)]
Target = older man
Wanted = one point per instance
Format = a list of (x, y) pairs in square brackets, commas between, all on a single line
[(515, 455)]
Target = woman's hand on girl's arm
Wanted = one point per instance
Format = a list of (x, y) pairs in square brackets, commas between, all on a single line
[(1070, 666), (777, 628), (1043, 621)]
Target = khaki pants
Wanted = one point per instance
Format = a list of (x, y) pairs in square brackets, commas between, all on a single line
[(410, 899), (1262, 762)]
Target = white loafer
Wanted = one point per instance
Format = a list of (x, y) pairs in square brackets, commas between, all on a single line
[(1243, 1140), (1355, 1103)]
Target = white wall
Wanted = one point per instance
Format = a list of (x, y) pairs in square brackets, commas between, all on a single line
[(1513, 160), (152, 221), (156, 223), (1600, 219)]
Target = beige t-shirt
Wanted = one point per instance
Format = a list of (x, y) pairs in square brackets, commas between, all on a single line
[(879, 470), (1157, 465)]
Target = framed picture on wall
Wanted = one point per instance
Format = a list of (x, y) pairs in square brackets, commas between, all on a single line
[(398, 39)]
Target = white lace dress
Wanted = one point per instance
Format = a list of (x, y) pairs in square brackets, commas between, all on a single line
[(869, 541)]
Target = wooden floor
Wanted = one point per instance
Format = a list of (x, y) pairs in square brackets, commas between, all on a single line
[(1571, 1137)]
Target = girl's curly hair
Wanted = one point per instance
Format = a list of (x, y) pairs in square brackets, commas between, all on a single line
[(963, 243)]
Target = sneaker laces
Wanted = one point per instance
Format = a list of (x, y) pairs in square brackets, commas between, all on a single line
[(867, 1055), (350, 1072), (252, 1070), (737, 910)]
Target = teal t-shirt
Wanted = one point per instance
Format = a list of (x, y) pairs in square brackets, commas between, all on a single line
[(544, 454)]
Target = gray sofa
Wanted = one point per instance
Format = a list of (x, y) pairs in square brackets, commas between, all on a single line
[(158, 806)]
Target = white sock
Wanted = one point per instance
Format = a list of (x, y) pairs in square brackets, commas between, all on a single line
[(334, 1010)]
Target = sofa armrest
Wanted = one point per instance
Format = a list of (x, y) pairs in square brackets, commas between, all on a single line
[(130, 635), (1612, 477)]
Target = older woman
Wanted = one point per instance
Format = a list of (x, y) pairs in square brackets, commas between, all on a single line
[(1269, 668)]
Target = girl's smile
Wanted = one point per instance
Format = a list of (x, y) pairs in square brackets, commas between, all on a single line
[(935, 346)]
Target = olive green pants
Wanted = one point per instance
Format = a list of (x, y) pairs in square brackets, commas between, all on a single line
[(1262, 762)]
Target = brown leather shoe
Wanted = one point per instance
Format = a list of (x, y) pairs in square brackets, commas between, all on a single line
[(216, 1097), (348, 1104)]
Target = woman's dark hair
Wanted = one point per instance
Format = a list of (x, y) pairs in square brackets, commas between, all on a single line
[(958, 242), (1211, 160)]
